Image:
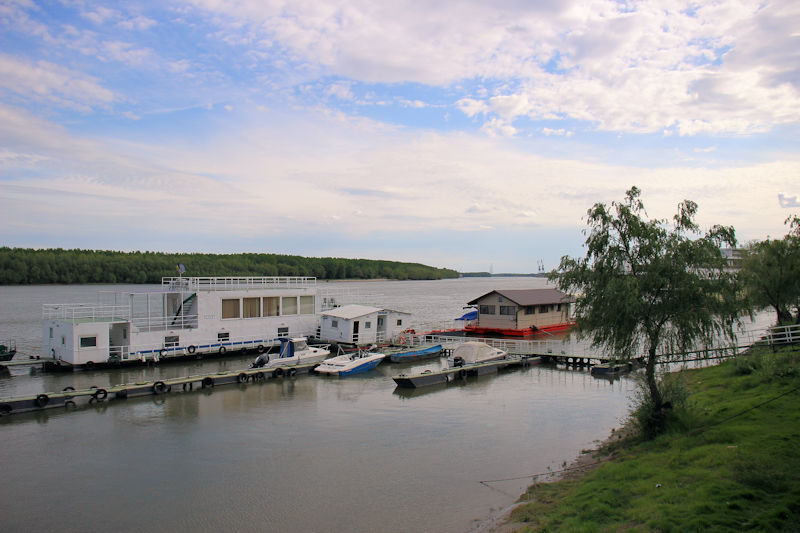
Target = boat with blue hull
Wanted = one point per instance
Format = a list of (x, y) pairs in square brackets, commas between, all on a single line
[(410, 353), (349, 364)]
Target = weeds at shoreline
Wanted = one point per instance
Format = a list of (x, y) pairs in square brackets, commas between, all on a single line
[(728, 461)]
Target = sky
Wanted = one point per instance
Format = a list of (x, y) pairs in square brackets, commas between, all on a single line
[(462, 134)]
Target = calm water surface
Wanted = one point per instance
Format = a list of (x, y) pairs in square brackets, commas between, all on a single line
[(303, 454)]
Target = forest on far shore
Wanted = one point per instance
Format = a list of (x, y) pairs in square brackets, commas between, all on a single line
[(26, 266)]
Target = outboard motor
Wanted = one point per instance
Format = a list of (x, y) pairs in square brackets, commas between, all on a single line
[(458, 361), (260, 361)]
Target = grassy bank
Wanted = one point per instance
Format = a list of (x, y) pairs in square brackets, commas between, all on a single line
[(729, 462)]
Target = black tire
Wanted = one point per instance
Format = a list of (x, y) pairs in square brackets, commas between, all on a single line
[(68, 389), (260, 348), (159, 387), (89, 365), (222, 350), (207, 382), (278, 372), (42, 400), (242, 378), (259, 376), (191, 349), (291, 372), (100, 395)]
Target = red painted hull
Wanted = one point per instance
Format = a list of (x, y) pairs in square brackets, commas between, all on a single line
[(527, 332)]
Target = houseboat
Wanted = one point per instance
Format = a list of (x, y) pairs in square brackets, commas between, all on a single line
[(520, 313), (361, 324), (186, 316)]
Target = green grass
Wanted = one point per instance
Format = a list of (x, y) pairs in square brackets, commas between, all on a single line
[(728, 462)]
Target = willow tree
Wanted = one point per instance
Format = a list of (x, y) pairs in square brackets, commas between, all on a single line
[(771, 273), (650, 287)]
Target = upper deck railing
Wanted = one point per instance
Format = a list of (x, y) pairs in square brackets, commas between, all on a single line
[(238, 283)]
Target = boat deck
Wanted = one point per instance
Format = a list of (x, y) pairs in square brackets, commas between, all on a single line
[(430, 377)]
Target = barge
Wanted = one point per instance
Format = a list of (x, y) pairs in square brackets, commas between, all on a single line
[(185, 317)]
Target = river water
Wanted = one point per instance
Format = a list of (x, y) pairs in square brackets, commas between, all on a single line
[(304, 454)]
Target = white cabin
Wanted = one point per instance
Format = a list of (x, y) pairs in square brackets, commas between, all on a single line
[(361, 324), (185, 316)]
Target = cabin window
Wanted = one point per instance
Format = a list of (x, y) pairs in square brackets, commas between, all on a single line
[(224, 336), (558, 307), (289, 305), (399, 322), (271, 306), (380, 321), (335, 324), (283, 332), (63, 340), (170, 341), (306, 305), (367, 325), (544, 308), (508, 310), (230, 308), (51, 333), (251, 307), (487, 310), (530, 309), (88, 342)]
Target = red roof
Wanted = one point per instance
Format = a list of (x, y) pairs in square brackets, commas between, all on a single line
[(524, 297)]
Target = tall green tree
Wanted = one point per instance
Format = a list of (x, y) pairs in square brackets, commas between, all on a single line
[(770, 272), (650, 287)]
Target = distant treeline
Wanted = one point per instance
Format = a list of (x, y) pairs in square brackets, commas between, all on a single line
[(507, 275), (24, 266)]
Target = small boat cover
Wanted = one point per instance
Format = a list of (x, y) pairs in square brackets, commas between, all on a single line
[(475, 352)]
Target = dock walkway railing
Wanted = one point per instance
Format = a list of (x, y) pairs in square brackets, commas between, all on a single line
[(771, 336)]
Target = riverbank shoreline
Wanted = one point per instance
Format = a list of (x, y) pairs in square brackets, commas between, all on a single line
[(726, 462)]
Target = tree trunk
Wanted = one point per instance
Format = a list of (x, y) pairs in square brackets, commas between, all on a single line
[(650, 374)]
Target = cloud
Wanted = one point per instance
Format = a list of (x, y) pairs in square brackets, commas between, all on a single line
[(786, 201), (638, 68), (45, 81), (557, 132)]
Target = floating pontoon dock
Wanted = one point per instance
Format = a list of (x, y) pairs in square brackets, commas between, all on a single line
[(69, 397)]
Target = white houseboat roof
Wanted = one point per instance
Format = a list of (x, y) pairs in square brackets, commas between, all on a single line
[(524, 297), (349, 312)]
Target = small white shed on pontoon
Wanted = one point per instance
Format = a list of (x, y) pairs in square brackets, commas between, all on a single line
[(361, 324)]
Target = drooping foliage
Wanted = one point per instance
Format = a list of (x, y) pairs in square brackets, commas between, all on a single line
[(649, 287), (771, 273)]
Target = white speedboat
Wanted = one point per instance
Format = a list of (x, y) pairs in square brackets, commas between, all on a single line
[(350, 363), (293, 352), (473, 353)]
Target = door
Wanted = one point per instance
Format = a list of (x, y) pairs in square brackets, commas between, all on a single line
[(355, 331)]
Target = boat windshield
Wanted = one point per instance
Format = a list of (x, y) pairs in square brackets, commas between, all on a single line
[(300, 345)]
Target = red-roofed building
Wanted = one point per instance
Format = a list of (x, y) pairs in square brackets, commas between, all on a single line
[(521, 312)]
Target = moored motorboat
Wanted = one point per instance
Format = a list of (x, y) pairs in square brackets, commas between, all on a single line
[(295, 351), (413, 353), (8, 350), (351, 363), (473, 352)]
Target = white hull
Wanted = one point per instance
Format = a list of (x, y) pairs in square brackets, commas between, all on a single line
[(186, 317), (343, 365)]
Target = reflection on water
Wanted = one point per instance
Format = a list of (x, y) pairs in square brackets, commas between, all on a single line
[(309, 453)]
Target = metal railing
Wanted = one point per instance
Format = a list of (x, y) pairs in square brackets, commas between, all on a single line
[(238, 283), (85, 312)]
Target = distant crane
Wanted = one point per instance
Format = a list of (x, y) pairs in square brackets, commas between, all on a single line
[(540, 264)]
